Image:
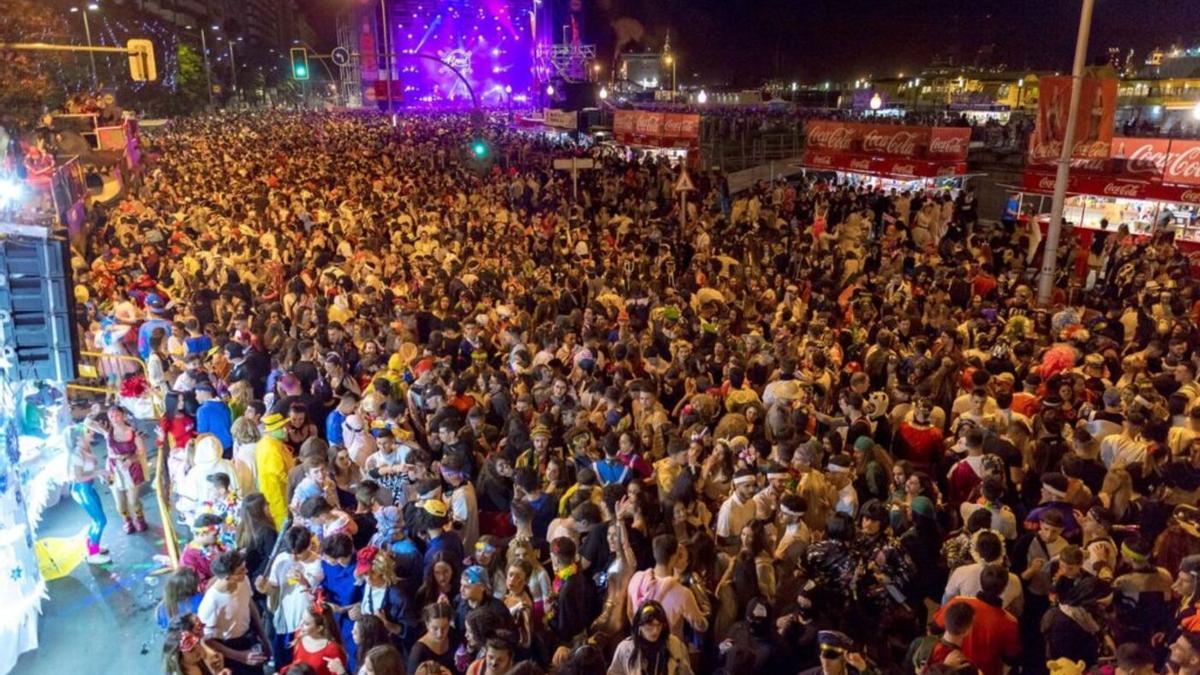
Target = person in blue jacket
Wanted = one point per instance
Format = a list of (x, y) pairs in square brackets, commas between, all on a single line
[(213, 417)]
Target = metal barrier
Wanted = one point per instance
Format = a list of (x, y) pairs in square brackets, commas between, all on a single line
[(162, 485)]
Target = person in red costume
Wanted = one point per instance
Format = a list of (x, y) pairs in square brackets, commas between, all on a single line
[(919, 441), (318, 643)]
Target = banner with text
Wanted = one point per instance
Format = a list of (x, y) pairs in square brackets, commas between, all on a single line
[(1093, 124), (888, 140), (656, 129)]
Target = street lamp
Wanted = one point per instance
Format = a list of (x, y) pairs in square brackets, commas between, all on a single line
[(603, 93), (87, 31), (876, 101), (671, 62), (702, 97)]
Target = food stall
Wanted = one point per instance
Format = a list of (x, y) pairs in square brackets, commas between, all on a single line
[(675, 136), (1151, 185), (888, 156)]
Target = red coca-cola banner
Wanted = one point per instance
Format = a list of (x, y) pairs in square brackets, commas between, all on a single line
[(889, 140), (1108, 185), (1144, 158), (656, 129), (1093, 123), (1183, 163), (949, 143), (882, 166)]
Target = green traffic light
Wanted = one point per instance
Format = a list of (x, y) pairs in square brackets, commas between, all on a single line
[(479, 149), (301, 71)]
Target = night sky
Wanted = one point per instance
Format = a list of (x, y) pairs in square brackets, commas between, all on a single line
[(744, 41)]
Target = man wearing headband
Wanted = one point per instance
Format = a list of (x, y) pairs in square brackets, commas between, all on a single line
[(738, 511), (1143, 594), (840, 472), (1031, 558), (1054, 498), (796, 535)]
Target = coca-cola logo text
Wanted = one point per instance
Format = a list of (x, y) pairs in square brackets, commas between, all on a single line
[(860, 164), (831, 137), (1190, 196), (904, 169), (821, 160), (896, 143), (1046, 183), (947, 145), (1145, 159), (1184, 167), (1120, 190)]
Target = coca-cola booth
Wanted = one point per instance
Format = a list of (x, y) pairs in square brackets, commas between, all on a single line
[(1147, 184), (888, 155)]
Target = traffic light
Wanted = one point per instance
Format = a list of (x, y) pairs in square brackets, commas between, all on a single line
[(141, 60), (299, 63), (479, 149)]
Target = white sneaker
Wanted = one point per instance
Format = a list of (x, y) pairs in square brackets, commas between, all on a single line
[(99, 559)]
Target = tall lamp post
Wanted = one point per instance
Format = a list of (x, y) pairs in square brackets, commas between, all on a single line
[(87, 31), (1050, 256), (387, 51), (671, 62)]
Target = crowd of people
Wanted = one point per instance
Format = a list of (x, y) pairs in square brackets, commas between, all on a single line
[(426, 413)]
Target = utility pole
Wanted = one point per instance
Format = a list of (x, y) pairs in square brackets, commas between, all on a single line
[(387, 51), (1050, 257), (207, 69)]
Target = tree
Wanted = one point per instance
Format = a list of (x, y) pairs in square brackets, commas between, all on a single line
[(34, 81), (190, 83)]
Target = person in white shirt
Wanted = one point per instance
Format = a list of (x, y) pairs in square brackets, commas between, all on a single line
[(840, 473), (1127, 447), (987, 549), (738, 510), (232, 625)]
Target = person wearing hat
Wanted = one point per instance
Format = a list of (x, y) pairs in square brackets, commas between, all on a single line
[(1076, 628), (651, 648), (880, 552), (967, 473), (432, 520), (272, 463), (838, 656), (213, 417), (475, 594)]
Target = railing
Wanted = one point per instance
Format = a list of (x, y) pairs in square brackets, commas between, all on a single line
[(91, 366)]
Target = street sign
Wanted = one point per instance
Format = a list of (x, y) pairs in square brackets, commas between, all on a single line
[(141, 60), (574, 165), (340, 56), (684, 183)]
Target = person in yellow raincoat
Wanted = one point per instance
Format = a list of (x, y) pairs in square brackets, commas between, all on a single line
[(273, 461)]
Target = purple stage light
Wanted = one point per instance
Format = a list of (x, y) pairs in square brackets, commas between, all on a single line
[(467, 35)]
